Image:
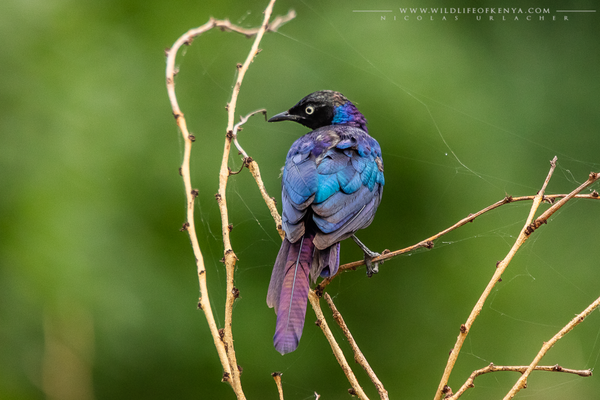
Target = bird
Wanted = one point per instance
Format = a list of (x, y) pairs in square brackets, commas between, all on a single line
[(332, 183)]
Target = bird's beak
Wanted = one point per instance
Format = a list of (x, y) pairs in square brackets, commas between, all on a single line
[(284, 116)]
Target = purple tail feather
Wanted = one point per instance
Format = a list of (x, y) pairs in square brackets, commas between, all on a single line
[(288, 291)]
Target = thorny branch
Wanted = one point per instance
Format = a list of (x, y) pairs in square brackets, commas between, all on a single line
[(356, 389), (223, 339), (429, 242), (513, 368), (522, 382), (525, 233), (358, 355)]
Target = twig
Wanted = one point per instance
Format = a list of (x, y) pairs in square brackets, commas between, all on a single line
[(238, 127), (428, 243), (513, 368), (277, 377), (358, 355), (230, 257), (548, 345), (339, 355), (255, 171), (224, 342), (501, 267)]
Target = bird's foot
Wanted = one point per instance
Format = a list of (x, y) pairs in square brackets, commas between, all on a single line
[(372, 268)]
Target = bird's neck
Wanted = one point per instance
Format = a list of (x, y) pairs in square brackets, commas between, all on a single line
[(348, 114)]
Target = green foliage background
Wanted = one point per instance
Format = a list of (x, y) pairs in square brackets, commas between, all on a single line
[(92, 261)]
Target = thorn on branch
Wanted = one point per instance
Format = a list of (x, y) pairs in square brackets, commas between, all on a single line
[(248, 160), (177, 115), (429, 244), (221, 333), (508, 199), (318, 322), (180, 171), (239, 65), (498, 263), (218, 197), (192, 137), (274, 374), (194, 193), (530, 229), (225, 377), (199, 304), (319, 291), (167, 50), (184, 227), (352, 392), (499, 279), (463, 329), (229, 135), (227, 107), (175, 71), (230, 227), (240, 369), (595, 194), (447, 390), (235, 292)]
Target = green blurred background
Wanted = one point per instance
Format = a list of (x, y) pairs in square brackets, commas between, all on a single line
[(98, 288)]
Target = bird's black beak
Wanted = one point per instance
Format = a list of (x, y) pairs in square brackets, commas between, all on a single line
[(285, 116)]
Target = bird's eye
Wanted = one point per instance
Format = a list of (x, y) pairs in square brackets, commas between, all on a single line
[(309, 110)]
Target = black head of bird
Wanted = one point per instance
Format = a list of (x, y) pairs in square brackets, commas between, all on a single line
[(323, 108)]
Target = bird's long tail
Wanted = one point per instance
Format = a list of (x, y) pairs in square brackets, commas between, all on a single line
[(288, 291)]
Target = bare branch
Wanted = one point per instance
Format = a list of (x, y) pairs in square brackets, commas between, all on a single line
[(358, 355), (238, 127), (500, 268), (548, 345), (223, 339), (429, 242), (277, 377), (514, 368), (339, 355)]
